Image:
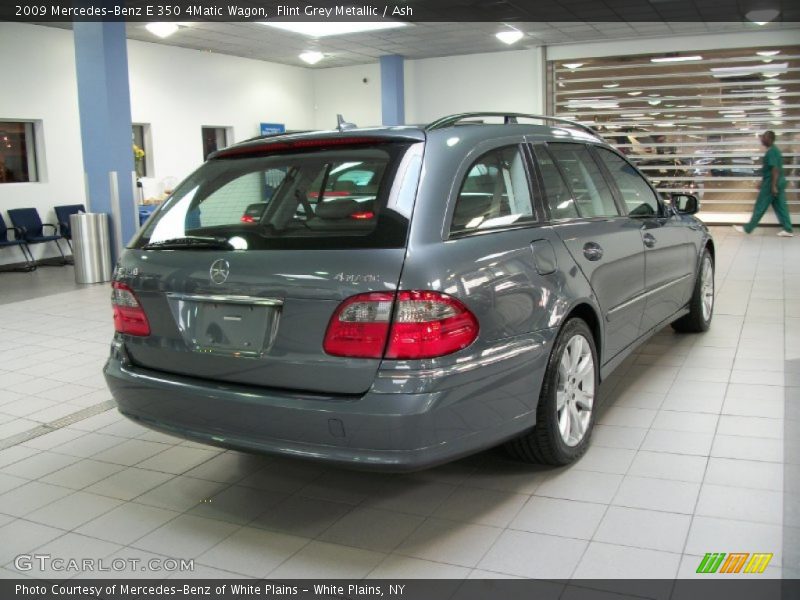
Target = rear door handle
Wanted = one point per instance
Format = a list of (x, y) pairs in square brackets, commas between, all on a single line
[(649, 240), (592, 251)]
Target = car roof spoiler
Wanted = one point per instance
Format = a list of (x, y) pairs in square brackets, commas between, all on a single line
[(508, 119)]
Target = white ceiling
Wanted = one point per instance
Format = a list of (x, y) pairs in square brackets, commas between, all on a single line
[(417, 40)]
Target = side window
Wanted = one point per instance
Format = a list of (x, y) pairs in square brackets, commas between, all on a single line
[(494, 192), (638, 196), (592, 194), (559, 198)]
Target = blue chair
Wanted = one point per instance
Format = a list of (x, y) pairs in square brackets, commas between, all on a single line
[(31, 228), (6, 242), (62, 216)]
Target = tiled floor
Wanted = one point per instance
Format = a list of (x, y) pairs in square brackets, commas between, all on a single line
[(695, 451)]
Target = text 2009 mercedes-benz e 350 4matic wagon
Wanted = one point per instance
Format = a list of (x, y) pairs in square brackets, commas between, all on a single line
[(398, 297)]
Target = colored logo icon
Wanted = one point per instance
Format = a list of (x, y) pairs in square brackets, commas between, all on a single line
[(735, 562)]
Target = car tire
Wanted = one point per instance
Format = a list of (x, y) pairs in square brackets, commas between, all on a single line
[(547, 442), (701, 306)]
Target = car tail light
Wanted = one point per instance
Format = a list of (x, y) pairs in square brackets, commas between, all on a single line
[(410, 325), (429, 324), (129, 315), (247, 219), (360, 326), (363, 215)]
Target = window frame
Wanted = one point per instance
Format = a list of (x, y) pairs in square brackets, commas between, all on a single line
[(662, 212), (34, 151), (534, 191), (227, 132), (147, 146)]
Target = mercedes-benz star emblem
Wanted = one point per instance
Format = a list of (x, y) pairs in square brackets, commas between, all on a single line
[(219, 271)]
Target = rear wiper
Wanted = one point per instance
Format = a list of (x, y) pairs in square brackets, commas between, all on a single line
[(190, 243)]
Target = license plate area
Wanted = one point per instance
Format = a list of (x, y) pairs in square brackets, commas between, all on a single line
[(227, 325)]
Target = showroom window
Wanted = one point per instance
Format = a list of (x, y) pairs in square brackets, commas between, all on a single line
[(691, 120), (214, 138), (17, 152), (495, 192)]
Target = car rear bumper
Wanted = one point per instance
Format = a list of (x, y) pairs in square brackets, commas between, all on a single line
[(460, 412)]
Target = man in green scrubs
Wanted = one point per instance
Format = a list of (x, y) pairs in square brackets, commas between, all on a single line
[(772, 191)]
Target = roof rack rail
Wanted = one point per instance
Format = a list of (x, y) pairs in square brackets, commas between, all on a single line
[(508, 118)]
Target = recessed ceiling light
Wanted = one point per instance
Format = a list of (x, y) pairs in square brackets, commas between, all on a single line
[(768, 52), (610, 86), (312, 57), (573, 66), (654, 102), (762, 16), (318, 29), (162, 30), (511, 36), (669, 59), (634, 93)]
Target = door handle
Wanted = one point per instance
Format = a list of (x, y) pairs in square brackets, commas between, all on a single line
[(649, 240), (592, 251)]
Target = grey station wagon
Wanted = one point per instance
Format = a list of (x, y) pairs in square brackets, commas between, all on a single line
[(398, 297)]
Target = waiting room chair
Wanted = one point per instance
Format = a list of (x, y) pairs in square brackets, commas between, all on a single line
[(63, 214), (6, 242), (31, 228)]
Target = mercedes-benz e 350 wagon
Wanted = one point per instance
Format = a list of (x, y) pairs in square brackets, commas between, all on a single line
[(398, 297)]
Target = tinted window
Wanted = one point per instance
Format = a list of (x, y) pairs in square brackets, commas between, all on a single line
[(559, 198), (638, 195), (592, 194), (307, 200), (494, 192)]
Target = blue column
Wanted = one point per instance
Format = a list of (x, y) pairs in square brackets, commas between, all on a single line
[(101, 60), (393, 108)]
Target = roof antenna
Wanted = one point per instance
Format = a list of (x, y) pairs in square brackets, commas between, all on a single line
[(343, 125)]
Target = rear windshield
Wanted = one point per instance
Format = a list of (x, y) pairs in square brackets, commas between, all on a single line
[(316, 199)]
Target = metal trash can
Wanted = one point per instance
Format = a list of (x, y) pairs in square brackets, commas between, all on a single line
[(91, 247)]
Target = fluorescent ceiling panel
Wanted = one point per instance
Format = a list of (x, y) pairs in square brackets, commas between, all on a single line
[(318, 29)]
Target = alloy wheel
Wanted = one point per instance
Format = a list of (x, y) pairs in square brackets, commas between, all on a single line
[(575, 390), (707, 287)]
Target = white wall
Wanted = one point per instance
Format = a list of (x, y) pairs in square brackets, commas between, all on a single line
[(342, 90), (40, 84), (175, 90), (500, 81)]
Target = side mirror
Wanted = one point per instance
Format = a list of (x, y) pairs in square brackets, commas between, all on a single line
[(685, 204)]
